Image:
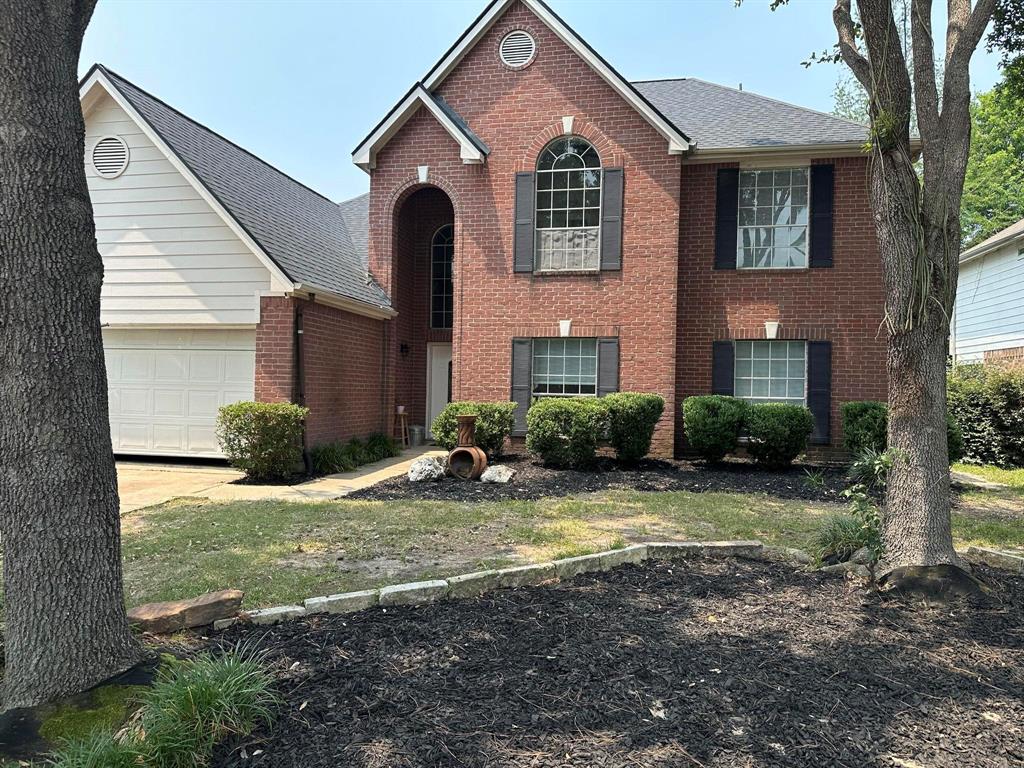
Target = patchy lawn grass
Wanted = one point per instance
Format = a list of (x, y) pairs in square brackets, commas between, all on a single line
[(279, 552), (1014, 478)]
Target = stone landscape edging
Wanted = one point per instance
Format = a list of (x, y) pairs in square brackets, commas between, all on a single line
[(479, 582)]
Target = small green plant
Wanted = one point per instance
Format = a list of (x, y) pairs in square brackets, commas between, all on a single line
[(840, 536), (97, 750), (330, 458), (380, 446), (814, 478), (264, 440), (713, 424), (494, 424), (632, 417), (778, 433), (564, 431), (871, 468)]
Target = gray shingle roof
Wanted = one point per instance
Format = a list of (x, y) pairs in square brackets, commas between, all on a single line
[(719, 117), (313, 240)]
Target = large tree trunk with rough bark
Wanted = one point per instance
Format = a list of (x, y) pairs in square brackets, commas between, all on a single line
[(66, 628), (917, 223)]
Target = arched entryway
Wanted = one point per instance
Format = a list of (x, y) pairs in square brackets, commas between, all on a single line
[(423, 258)]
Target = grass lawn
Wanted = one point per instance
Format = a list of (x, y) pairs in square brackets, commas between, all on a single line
[(1014, 478), (279, 552)]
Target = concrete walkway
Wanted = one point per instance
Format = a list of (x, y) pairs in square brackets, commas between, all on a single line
[(323, 488), (978, 482), (143, 484)]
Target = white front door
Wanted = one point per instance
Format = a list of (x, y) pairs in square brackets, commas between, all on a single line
[(439, 380)]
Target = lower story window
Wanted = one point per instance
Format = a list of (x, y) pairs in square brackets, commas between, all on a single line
[(771, 371), (564, 367)]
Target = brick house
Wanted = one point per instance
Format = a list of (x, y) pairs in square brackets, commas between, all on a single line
[(536, 225)]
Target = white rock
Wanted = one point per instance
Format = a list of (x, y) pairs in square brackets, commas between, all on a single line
[(499, 473), (426, 469)]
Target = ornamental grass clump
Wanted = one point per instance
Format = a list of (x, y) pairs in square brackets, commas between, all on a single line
[(632, 417)]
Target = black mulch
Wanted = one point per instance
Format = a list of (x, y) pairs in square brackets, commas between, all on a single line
[(705, 663), (534, 481)]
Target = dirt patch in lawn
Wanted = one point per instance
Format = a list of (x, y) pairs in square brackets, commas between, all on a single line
[(534, 481), (702, 663)]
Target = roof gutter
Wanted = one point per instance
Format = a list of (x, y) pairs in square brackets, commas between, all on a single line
[(983, 249), (835, 149), (364, 308)]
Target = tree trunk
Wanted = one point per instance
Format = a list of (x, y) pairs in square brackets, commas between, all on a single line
[(66, 628)]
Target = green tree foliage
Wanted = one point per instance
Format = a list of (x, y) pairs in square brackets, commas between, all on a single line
[(994, 187)]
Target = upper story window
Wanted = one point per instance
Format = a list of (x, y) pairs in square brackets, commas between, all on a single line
[(442, 253), (568, 206), (773, 214)]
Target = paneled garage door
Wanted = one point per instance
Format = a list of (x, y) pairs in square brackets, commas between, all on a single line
[(166, 386)]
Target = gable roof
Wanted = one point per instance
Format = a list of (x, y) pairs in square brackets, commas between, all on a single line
[(303, 234), (999, 239), (678, 142), (723, 118), (471, 148)]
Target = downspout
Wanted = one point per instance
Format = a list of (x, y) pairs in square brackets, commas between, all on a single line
[(299, 384)]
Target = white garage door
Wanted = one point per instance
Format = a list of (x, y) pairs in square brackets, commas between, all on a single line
[(166, 387)]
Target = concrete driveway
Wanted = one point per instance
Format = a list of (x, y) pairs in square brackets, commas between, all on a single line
[(142, 484)]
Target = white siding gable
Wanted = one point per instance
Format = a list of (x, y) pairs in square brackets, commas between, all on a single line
[(990, 303), (168, 257)]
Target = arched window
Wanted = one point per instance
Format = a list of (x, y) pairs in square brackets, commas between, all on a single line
[(442, 252), (568, 205)]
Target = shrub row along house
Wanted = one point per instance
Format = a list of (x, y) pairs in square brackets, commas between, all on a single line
[(536, 225)]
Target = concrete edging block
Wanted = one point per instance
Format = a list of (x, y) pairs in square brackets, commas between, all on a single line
[(414, 593), (275, 615), (751, 549), (996, 558), (472, 584), (346, 602), (671, 550)]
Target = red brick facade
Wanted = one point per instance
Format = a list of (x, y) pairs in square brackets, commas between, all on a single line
[(666, 305), (343, 358)]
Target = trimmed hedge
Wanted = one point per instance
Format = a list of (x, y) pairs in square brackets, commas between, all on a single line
[(264, 440), (632, 417), (330, 458), (988, 404), (777, 432), (712, 424), (865, 427), (564, 431), (493, 425)]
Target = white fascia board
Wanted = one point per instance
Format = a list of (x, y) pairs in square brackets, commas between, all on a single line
[(365, 155), (677, 143), (377, 312), (278, 280), (978, 251)]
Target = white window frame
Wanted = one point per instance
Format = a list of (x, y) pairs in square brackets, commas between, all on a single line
[(533, 366), (805, 167), (538, 250), (433, 277), (752, 398)]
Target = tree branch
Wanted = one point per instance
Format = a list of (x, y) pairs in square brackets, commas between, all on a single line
[(965, 34), (925, 89), (843, 19)]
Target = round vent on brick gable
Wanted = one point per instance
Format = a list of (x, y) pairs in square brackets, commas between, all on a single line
[(517, 49), (110, 156)]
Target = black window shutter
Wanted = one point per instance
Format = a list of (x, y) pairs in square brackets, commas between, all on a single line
[(822, 207), (522, 381), (524, 234), (819, 389), (607, 366), (727, 200), (723, 360), (613, 188)]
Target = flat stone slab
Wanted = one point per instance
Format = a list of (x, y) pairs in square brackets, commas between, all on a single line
[(526, 575), (733, 549), (670, 550), (472, 584), (346, 602), (601, 561), (176, 615), (414, 593), (276, 615), (997, 558), (221, 624)]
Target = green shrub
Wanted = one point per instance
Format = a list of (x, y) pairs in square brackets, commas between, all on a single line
[(632, 417), (712, 424), (356, 452), (330, 458), (493, 425), (264, 440), (381, 446), (564, 431), (865, 426), (777, 432), (195, 704), (870, 468)]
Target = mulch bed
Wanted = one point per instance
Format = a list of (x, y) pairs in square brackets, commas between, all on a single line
[(535, 481), (698, 663)]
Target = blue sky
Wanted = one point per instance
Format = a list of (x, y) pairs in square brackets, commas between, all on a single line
[(300, 83)]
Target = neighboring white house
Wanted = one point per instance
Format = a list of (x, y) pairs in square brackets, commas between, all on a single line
[(988, 320)]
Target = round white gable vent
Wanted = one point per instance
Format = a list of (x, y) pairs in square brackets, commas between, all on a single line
[(517, 49), (110, 157)]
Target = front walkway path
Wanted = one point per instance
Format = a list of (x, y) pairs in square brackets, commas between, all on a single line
[(143, 484), (323, 488)]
